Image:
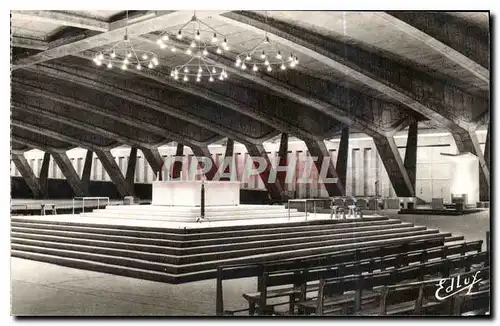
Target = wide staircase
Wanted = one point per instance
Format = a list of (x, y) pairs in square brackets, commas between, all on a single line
[(176, 255)]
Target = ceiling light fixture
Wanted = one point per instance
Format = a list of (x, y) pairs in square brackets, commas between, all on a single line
[(194, 39), (124, 53), (266, 54)]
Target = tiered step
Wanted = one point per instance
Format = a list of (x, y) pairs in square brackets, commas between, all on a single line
[(191, 214), (180, 255)]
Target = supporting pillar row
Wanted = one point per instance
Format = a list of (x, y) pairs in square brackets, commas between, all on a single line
[(410, 162), (44, 175), (394, 166), (282, 159), (274, 188), (343, 153), (107, 160), (69, 172), (228, 155), (27, 173), (132, 161), (318, 149)]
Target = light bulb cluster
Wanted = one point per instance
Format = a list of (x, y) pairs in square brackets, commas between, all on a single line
[(193, 37), (265, 56), (124, 55), (195, 45), (198, 71)]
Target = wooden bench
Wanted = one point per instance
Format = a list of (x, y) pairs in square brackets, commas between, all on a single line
[(296, 280), (477, 303), (296, 268), (331, 291)]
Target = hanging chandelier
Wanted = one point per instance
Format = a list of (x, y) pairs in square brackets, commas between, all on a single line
[(195, 38), (125, 54), (266, 55)]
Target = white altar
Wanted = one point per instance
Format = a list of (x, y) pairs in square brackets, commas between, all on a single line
[(188, 193)]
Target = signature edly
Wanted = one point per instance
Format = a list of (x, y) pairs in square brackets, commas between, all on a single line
[(455, 286)]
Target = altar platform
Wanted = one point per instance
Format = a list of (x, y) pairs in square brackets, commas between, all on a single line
[(162, 222)]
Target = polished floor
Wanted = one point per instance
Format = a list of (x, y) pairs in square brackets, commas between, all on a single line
[(50, 290)]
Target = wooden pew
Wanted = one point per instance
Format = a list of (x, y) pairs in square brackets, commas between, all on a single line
[(296, 280), (398, 299), (477, 303)]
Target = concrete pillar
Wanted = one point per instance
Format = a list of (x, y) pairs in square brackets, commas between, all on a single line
[(44, 176), (229, 155), (87, 168), (203, 151), (179, 153), (282, 159), (274, 188), (131, 166), (394, 166), (367, 173), (70, 174), (116, 176), (154, 159), (354, 170), (484, 188), (29, 177), (411, 153), (318, 149), (343, 152)]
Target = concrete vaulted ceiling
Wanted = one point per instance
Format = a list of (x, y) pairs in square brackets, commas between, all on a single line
[(375, 72)]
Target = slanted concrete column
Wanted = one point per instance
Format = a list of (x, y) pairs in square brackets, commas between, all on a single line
[(70, 174), (116, 176), (44, 176), (394, 166), (154, 159), (487, 148), (27, 173), (274, 188), (177, 168), (228, 155), (466, 141), (87, 169), (132, 162), (343, 154), (484, 188), (318, 149), (411, 153), (282, 158), (202, 151)]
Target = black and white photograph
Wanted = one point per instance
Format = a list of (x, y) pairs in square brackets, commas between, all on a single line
[(250, 163)]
